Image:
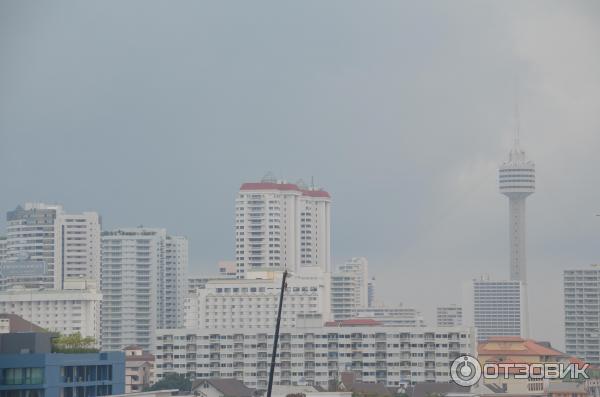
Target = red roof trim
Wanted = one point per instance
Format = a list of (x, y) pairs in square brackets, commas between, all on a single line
[(283, 187)]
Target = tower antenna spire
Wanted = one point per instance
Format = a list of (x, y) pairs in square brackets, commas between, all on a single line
[(517, 116)]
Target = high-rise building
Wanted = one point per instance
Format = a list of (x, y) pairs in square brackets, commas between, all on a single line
[(449, 316), (144, 283), (371, 291), (3, 248), (252, 302), (349, 288), (582, 313), (282, 225), (494, 308), (69, 244), (77, 246), (172, 282), (30, 230), (314, 355)]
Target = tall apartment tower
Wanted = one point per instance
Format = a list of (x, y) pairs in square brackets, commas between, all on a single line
[(143, 285), (282, 225), (350, 288), (77, 246), (517, 181), (69, 244), (582, 313), (495, 307)]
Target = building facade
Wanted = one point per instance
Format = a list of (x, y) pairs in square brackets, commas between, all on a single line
[(392, 356), (76, 309), (494, 308), (252, 302), (582, 313), (397, 316), (143, 284), (350, 288), (449, 316), (41, 373), (139, 369), (282, 225), (77, 246), (69, 244)]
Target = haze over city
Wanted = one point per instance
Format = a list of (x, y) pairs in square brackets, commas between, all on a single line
[(153, 114)]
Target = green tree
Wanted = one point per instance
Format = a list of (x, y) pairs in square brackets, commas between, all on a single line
[(173, 381), (74, 343)]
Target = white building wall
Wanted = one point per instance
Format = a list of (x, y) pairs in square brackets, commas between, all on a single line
[(449, 316), (67, 311), (494, 307), (282, 225), (130, 266), (350, 288), (391, 355), (582, 314), (144, 281), (252, 302), (68, 243), (77, 247), (30, 232)]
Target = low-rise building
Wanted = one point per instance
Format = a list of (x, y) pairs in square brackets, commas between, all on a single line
[(139, 368), (74, 309), (392, 356), (28, 368), (221, 387), (397, 316), (516, 350), (252, 302)]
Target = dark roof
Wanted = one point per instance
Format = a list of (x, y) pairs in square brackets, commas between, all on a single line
[(427, 388), (349, 382), (370, 388), (229, 387), (19, 324)]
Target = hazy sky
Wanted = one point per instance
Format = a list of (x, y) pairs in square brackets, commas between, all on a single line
[(154, 113)]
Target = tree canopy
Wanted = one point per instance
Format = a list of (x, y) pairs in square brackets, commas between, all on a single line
[(172, 381), (74, 343)]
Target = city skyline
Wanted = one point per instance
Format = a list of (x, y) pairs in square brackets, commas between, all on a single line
[(166, 141)]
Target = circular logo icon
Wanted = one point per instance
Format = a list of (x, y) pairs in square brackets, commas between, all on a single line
[(465, 371)]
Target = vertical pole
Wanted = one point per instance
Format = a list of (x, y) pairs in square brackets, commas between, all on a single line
[(276, 338)]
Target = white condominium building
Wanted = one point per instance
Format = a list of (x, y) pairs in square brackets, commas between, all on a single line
[(280, 225), (3, 248), (68, 243), (494, 308), (74, 309), (144, 284), (252, 302), (582, 313), (77, 245), (449, 316), (350, 288), (172, 282), (314, 355)]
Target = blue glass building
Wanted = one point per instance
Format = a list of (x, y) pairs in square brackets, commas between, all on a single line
[(33, 374)]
